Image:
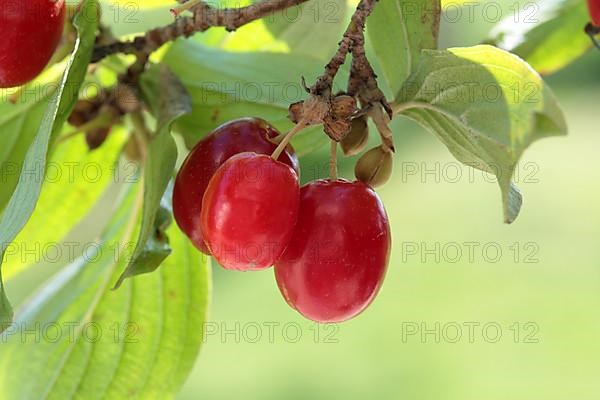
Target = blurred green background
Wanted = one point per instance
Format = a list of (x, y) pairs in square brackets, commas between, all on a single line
[(546, 280), (530, 291)]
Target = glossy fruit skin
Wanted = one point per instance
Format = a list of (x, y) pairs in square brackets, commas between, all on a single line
[(245, 134), (594, 9), (336, 262), (250, 210), (31, 31)]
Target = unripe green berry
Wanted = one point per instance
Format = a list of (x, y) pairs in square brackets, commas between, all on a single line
[(358, 137), (375, 166)]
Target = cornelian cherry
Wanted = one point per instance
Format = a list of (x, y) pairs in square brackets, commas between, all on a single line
[(31, 30), (336, 261), (246, 134), (249, 211)]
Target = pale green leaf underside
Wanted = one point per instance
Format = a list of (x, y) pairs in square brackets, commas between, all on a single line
[(75, 179), (486, 105), (138, 342)]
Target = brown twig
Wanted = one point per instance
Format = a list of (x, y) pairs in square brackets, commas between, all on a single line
[(352, 37), (205, 16), (336, 111), (363, 80), (333, 169)]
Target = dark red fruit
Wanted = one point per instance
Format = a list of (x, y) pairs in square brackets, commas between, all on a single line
[(337, 259), (246, 134), (594, 9), (31, 30), (250, 210)]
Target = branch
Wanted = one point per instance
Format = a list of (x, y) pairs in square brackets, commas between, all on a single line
[(336, 112), (352, 36), (205, 16)]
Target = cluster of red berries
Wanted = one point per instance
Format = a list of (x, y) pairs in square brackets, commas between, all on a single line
[(328, 240), (31, 31)]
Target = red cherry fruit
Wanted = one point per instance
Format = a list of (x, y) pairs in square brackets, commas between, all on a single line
[(31, 30), (594, 9), (246, 134), (337, 259), (250, 210)]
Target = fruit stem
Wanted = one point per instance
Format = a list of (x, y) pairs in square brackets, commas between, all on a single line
[(592, 31), (286, 140), (382, 121), (277, 139), (333, 170)]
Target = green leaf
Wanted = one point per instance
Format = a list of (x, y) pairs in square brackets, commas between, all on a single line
[(24, 199), (75, 179), (235, 85), (313, 29), (19, 124), (551, 40), (486, 105), (169, 101), (293, 30), (6, 311), (18, 133), (94, 343), (398, 30)]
